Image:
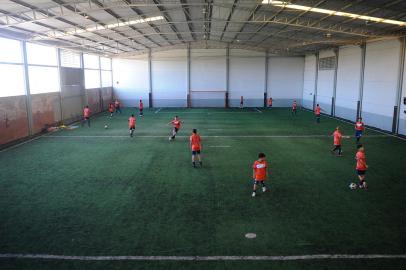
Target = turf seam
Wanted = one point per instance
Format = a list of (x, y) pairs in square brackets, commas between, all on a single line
[(205, 258)]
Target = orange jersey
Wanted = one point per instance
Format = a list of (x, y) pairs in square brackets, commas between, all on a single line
[(337, 137), (141, 105), (111, 108), (131, 122), (195, 141), (270, 102), (294, 106), (260, 168), (359, 126), (361, 161), (86, 112), (176, 123), (317, 110)]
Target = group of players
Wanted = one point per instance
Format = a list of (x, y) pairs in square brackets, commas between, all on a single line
[(260, 166)]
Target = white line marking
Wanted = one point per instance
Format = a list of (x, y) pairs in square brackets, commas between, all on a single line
[(208, 136), (205, 258), (258, 110), (219, 146), (157, 111)]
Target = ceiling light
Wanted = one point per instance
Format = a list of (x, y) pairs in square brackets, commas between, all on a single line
[(99, 27), (333, 12)]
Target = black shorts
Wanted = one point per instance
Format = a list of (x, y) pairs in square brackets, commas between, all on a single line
[(176, 129), (197, 152), (132, 127), (361, 172), (257, 182), (87, 118)]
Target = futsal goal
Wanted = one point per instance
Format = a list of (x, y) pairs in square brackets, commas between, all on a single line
[(207, 98)]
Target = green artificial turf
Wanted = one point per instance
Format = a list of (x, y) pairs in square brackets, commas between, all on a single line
[(96, 191)]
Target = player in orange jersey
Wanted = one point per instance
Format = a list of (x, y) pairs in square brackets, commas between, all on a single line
[(196, 147), (270, 102), (176, 123), (111, 109), (337, 141), (317, 112), (294, 107), (141, 108), (131, 124), (86, 116), (361, 166), (359, 129), (259, 173)]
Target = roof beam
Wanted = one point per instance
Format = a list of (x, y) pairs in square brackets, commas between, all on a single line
[(188, 17), (168, 19), (228, 19)]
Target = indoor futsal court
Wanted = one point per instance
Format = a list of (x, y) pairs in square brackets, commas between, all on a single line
[(216, 134)]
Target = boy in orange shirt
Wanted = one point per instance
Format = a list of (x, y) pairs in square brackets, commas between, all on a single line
[(359, 129), (117, 106), (270, 103), (141, 108), (337, 141), (111, 109), (361, 166), (259, 173), (131, 124), (86, 116), (196, 146), (317, 112), (294, 107), (176, 123)]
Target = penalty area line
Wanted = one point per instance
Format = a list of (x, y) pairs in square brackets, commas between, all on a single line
[(205, 258)]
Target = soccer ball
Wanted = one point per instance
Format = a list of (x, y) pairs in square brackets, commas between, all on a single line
[(352, 186), (106, 126)]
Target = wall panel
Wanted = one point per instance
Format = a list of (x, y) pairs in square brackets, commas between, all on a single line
[(309, 85), (46, 110), (13, 119), (325, 84)]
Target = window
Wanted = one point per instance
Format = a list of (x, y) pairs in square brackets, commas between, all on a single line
[(70, 59), (327, 63), (106, 78), (12, 80), (105, 63), (10, 51), (41, 55), (91, 61), (43, 79), (92, 78)]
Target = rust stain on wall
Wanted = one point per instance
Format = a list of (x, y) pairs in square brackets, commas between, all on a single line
[(45, 110), (13, 119)]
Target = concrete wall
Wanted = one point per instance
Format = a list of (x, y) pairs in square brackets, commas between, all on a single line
[(208, 78), (348, 82), (46, 110), (13, 119), (309, 85), (325, 84), (285, 80), (73, 98)]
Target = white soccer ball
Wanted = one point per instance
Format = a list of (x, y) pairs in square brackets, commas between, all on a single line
[(352, 186), (106, 126)]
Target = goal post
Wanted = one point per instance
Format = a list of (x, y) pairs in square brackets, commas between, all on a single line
[(207, 98)]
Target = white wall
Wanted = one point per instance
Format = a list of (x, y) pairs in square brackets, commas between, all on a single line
[(131, 80), (348, 80), (247, 78), (309, 81), (325, 84), (285, 80), (402, 114), (380, 83), (208, 73), (169, 78)]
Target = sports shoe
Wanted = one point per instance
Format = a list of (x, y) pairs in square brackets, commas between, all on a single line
[(253, 194), (263, 189)]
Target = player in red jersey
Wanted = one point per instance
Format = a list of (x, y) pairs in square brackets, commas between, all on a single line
[(117, 106), (361, 166), (337, 141), (259, 173), (270, 103), (359, 129), (141, 108), (111, 109), (317, 112), (176, 123), (131, 124), (294, 107), (196, 147), (86, 116)]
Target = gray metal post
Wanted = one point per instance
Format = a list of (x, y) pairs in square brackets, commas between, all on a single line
[(316, 78), (188, 97), (84, 94), (227, 74), (28, 101), (361, 81), (100, 87), (150, 78), (400, 81), (60, 83), (266, 78), (333, 104)]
